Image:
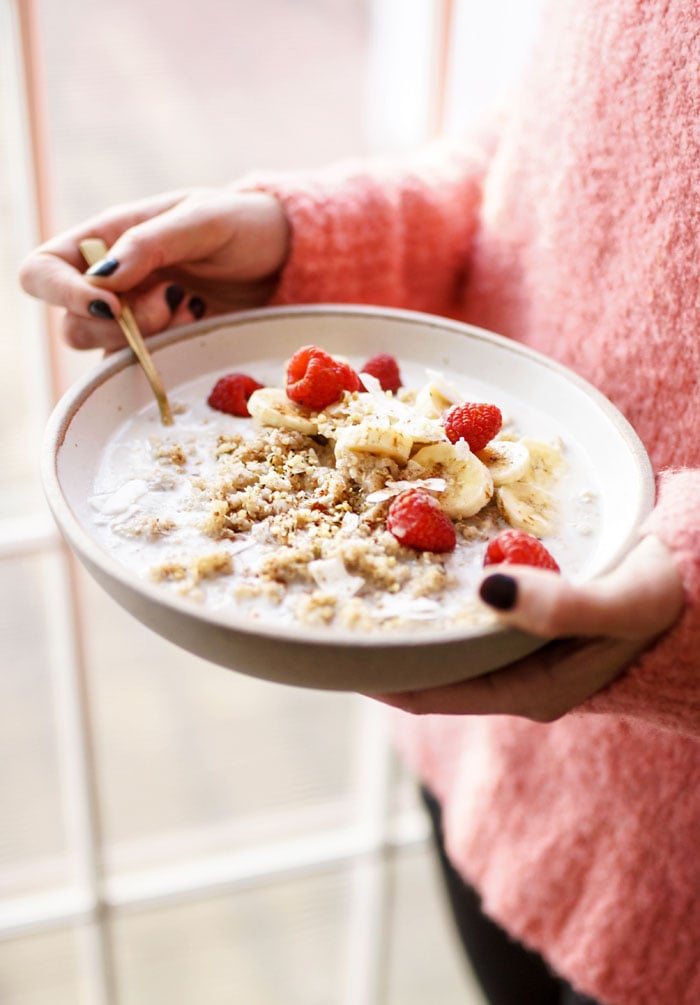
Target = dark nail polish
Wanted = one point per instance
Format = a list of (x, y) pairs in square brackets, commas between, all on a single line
[(499, 591), (99, 309), (196, 307), (174, 296), (105, 267)]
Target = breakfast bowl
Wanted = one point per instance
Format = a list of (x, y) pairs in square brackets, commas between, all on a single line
[(608, 488)]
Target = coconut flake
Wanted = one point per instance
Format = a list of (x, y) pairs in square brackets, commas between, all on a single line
[(111, 503), (419, 609), (350, 522), (462, 451), (330, 574), (392, 489), (446, 388), (371, 384)]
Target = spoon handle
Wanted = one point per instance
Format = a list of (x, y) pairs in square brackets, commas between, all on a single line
[(93, 249)]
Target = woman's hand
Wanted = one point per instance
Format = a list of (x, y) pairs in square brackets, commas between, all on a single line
[(598, 629), (174, 257)]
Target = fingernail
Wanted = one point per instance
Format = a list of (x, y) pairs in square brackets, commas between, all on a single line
[(174, 295), (196, 307), (99, 309), (499, 591), (105, 267)]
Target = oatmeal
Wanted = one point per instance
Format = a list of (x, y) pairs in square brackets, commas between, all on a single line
[(287, 514)]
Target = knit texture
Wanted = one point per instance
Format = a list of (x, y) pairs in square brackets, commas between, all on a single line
[(575, 230)]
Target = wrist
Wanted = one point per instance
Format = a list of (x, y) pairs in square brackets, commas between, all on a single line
[(263, 218)]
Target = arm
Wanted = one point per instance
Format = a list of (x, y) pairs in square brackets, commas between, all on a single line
[(663, 685), (392, 233), (376, 232)]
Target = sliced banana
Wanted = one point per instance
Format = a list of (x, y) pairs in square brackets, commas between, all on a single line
[(546, 458), (528, 506), (270, 406), (469, 483), (369, 437), (437, 396), (507, 460)]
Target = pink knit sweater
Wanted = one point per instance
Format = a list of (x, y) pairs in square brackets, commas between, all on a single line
[(574, 228)]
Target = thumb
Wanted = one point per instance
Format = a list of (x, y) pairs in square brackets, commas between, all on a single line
[(639, 599)]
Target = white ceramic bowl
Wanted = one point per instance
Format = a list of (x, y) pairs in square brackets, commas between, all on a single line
[(92, 410)]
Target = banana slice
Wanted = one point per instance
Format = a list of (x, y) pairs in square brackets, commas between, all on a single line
[(469, 483), (507, 460), (546, 459), (270, 406), (437, 396), (369, 437), (528, 506)]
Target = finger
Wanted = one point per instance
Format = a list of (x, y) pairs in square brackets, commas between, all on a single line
[(152, 315), (638, 600), (184, 307), (193, 308), (154, 308), (57, 281), (80, 333), (166, 305), (55, 271), (541, 687), (187, 232)]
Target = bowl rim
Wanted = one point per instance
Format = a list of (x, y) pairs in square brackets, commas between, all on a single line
[(75, 396)]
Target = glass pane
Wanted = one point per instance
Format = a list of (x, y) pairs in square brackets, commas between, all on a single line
[(32, 849), (42, 969), (21, 394), (144, 96), (426, 963), (19, 443), (278, 943), (187, 746)]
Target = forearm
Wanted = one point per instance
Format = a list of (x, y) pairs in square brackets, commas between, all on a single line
[(663, 686), (394, 234)]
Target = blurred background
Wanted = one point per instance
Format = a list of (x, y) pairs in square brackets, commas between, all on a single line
[(171, 832)]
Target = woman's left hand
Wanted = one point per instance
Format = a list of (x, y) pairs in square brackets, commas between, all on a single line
[(596, 629)]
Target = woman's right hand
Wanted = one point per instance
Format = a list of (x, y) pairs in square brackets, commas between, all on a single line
[(178, 256)]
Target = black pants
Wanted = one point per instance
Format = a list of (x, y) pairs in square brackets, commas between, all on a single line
[(509, 973)]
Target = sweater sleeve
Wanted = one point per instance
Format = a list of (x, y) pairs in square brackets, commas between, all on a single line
[(393, 233), (663, 686)]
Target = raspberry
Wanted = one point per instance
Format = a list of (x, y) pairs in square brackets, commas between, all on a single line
[(385, 368), (515, 547), (315, 379), (417, 520), (230, 393), (475, 422)]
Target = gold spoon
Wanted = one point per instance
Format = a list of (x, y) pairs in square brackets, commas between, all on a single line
[(93, 249)]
